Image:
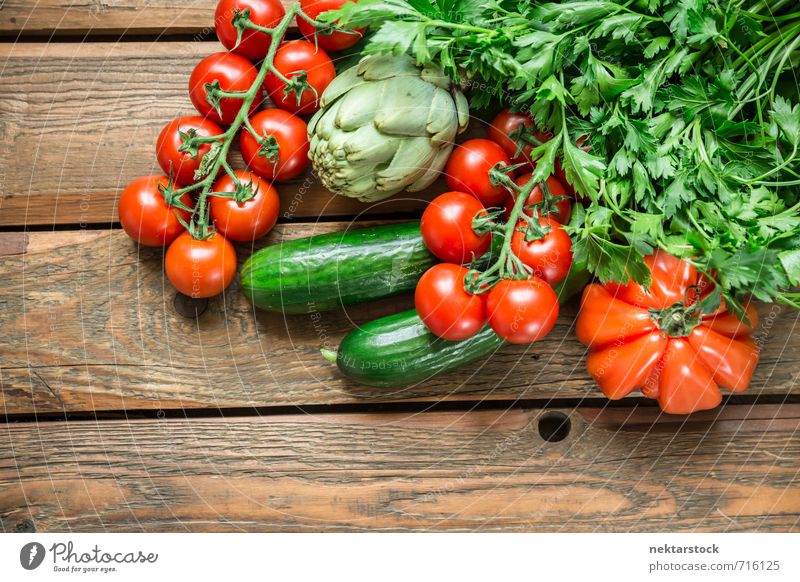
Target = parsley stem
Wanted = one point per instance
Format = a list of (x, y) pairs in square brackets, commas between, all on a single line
[(465, 27), (772, 18)]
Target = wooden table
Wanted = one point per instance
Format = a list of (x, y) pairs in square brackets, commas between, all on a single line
[(129, 408)]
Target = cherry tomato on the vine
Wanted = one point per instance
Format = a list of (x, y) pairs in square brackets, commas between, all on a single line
[(550, 257), (169, 141), (564, 205), (234, 73), (447, 228), (445, 307), (200, 268), (522, 311), (334, 41), (285, 153), (505, 124), (467, 170), (255, 44), (252, 218), (145, 215), (291, 58)]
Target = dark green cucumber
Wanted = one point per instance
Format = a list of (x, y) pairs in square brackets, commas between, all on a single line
[(335, 269), (398, 350)]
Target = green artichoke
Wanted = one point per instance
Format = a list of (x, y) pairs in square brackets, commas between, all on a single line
[(385, 125)]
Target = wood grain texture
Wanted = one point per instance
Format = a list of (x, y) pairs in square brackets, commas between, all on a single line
[(91, 323), (79, 121), (22, 17), (733, 469)]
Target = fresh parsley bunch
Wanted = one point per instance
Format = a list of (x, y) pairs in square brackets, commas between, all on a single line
[(689, 109)]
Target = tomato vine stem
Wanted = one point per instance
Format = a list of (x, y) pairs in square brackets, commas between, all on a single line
[(507, 265)]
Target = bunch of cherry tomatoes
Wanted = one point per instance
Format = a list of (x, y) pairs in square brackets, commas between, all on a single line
[(454, 301), (201, 203)]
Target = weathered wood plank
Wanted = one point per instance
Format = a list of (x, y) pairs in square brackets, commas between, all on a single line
[(108, 17), (79, 121), (91, 323), (734, 469)]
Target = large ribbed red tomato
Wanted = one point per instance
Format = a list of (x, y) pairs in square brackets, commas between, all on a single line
[(653, 340)]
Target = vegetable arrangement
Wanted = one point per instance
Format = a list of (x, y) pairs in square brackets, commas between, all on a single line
[(686, 109), (203, 203), (651, 144)]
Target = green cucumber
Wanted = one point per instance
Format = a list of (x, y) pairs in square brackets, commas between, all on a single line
[(398, 350), (336, 269)]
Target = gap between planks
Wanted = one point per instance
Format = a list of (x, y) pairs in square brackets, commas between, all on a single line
[(740, 402), (21, 18)]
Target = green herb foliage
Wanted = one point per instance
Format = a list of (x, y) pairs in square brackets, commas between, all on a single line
[(689, 108)]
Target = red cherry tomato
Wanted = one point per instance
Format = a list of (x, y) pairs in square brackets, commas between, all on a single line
[(234, 73), (447, 228), (169, 141), (522, 311), (335, 41), (255, 44), (287, 150), (252, 218), (468, 168), (507, 123), (290, 58), (145, 215), (445, 307), (550, 256), (564, 205), (200, 268)]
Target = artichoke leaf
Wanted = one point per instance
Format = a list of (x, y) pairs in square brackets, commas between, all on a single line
[(432, 173), (379, 68), (442, 123), (405, 110), (412, 160), (342, 83), (357, 108), (368, 145)]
